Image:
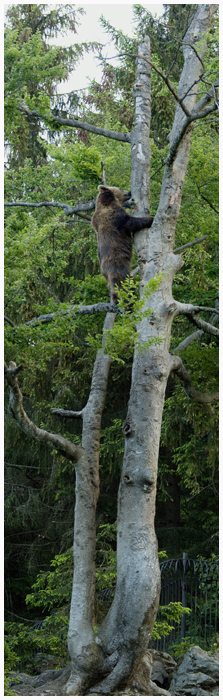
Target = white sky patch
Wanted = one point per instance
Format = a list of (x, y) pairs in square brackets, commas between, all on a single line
[(90, 29)]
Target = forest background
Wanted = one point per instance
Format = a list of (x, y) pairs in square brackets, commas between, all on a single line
[(51, 263)]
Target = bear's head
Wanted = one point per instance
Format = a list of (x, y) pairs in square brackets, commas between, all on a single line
[(113, 194)]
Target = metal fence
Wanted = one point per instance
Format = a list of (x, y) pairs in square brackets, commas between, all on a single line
[(194, 583)]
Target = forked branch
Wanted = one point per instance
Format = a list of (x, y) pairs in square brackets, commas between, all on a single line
[(191, 312)]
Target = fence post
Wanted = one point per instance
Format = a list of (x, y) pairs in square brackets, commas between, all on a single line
[(184, 595)]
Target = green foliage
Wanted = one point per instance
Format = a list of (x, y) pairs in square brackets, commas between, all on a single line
[(10, 663), (30, 642), (33, 69), (168, 613), (124, 337), (51, 593), (106, 557), (52, 589), (77, 161), (178, 649)]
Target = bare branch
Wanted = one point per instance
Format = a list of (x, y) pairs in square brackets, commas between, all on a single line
[(8, 320), (87, 206), (207, 200), (187, 341), (100, 307), (187, 123), (72, 452), (189, 245), (207, 327), (205, 113), (108, 133), (171, 88), (82, 216), (68, 210), (135, 272), (181, 372), (197, 112), (190, 311), (67, 414)]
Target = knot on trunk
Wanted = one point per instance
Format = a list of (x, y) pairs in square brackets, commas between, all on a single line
[(127, 479), (128, 428)]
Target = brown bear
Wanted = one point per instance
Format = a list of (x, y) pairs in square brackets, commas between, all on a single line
[(114, 228)]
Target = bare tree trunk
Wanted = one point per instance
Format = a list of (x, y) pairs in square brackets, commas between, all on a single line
[(125, 632), (86, 655)]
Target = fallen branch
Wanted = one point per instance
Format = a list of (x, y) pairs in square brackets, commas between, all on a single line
[(181, 372)]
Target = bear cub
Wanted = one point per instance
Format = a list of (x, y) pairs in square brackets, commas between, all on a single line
[(114, 227)]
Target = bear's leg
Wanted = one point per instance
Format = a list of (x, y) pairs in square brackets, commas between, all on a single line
[(115, 279)]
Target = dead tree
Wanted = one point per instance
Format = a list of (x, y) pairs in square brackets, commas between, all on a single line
[(101, 662)]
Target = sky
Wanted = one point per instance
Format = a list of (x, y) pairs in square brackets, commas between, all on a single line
[(120, 16)]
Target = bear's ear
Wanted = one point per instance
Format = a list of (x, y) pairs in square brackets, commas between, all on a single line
[(107, 195)]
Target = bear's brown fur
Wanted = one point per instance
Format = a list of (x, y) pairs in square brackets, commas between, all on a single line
[(114, 228)]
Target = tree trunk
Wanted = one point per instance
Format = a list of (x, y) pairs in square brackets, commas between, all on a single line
[(86, 655)]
